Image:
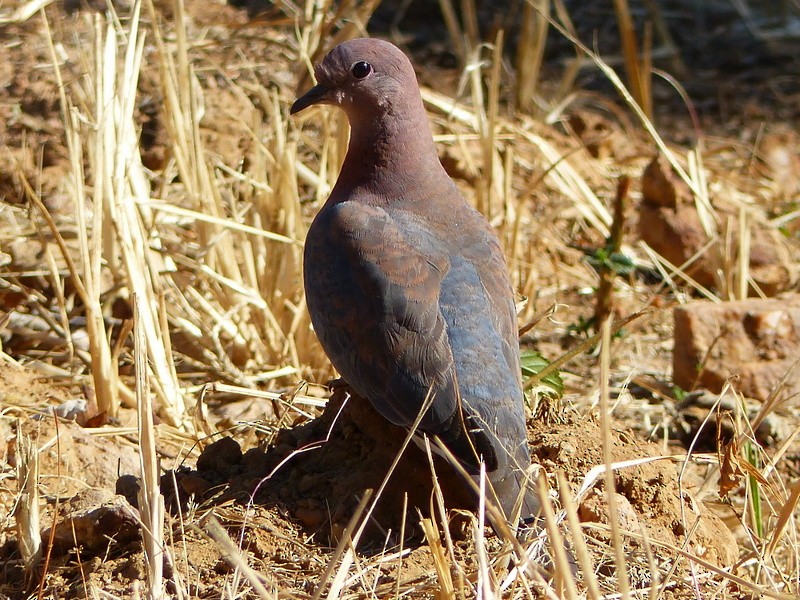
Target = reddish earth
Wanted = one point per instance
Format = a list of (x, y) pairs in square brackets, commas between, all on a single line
[(290, 500)]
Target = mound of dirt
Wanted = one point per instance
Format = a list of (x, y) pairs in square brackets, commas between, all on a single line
[(297, 495), (649, 498), (317, 472)]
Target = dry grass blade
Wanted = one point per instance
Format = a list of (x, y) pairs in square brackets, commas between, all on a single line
[(563, 175), (630, 101), (150, 499), (766, 408), (344, 547), (668, 271), (457, 40), (489, 503), (123, 179), (352, 543), (441, 561), (586, 344), (437, 507), (486, 582), (785, 516), (469, 17), (26, 508), (25, 11), (530, 52), (609, 483), (566, 178), (578, 538), (748, 588), (198, 216), (638, 73), (116, 228), (563, 565), (494, 175), (87, 283), (742, 273)]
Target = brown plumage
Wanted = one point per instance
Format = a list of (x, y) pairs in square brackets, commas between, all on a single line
[(406, 283)]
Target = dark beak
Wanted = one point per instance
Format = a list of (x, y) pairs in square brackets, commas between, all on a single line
[(318, 93)]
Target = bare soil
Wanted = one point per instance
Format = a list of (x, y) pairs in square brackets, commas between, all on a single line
[(290, 501)]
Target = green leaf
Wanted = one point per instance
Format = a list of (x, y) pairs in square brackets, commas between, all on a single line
[(679, 393), (617, 262), (532, 364)]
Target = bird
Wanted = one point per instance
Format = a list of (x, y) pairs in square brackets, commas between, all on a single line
[(406, 284)]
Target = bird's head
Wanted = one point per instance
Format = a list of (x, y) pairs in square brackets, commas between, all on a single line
[(363, 77)]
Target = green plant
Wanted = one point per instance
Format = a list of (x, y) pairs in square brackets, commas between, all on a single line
[(532, 364)]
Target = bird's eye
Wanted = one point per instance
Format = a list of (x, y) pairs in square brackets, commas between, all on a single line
[(361, 69)]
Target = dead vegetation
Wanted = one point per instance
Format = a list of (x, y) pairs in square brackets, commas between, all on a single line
[(155, 199)]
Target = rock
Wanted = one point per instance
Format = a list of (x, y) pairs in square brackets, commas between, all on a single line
[(594, 509), (222, 454), (194, 485), (128, 487), (94, 519), (779, 148), (755, 341), (670, 224)]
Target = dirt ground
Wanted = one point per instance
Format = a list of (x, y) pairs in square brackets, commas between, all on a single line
[(285, 487), (290, 501)]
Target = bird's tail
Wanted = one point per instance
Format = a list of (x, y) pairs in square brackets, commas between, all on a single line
[(515, 496)]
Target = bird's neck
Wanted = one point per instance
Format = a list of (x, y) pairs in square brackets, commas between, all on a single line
[(390, 154)]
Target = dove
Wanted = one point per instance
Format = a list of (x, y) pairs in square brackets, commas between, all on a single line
[(406, 284)]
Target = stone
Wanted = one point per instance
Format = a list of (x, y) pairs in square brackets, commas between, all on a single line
[(93, 520), (753, 341), (670, 225)]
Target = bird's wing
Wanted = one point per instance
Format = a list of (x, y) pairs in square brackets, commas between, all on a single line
[(375, 308), (402, 316), (482, 335), (483, 338)]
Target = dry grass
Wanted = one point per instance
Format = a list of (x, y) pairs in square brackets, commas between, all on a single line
[(209, 257)]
